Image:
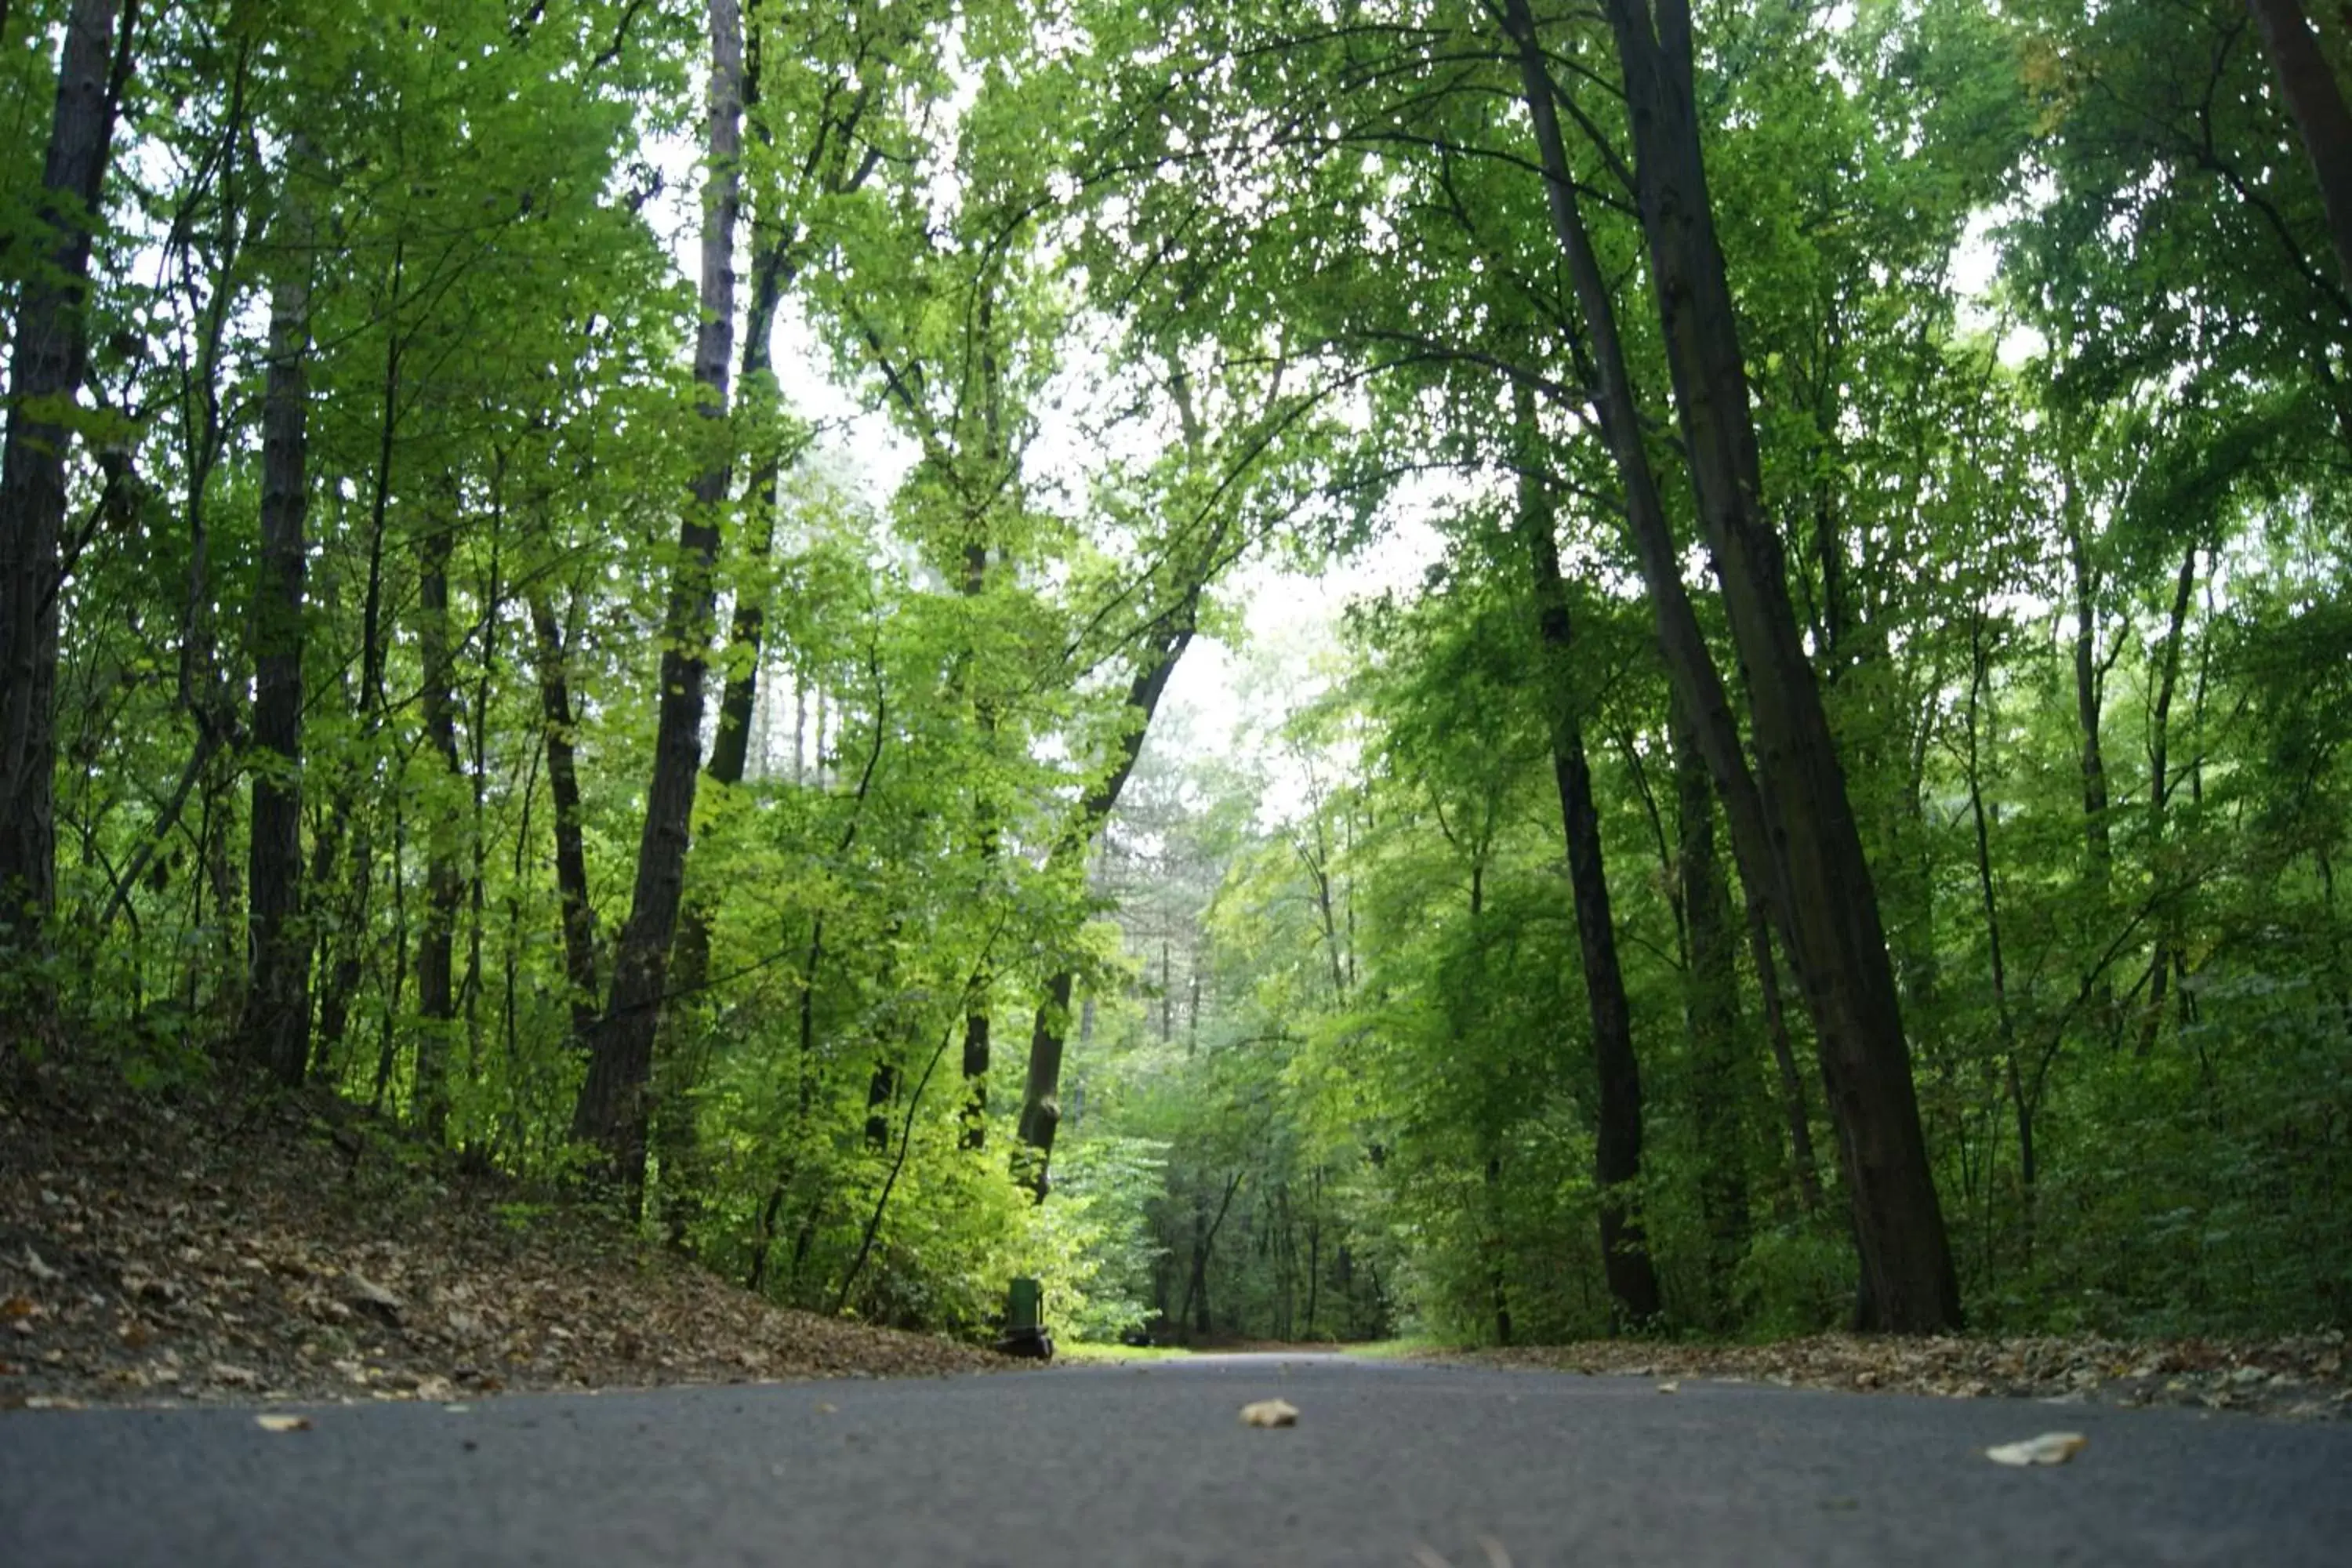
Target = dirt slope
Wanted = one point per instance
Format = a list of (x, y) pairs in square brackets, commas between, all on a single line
[(189, 1247)]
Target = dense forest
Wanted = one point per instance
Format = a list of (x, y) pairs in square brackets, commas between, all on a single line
[(598, 577)]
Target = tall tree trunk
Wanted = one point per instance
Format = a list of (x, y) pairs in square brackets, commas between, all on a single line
[(2167, 957), (611, 1111), (2098, 843), (1617, 1158), (1803, 1163), (1978, 721), (675, 1131), (2317, 102), (571, 846), (1816, 874), (436, 996), (977, 1034), (51, 354), (1041, 1106), (277, 1026), (1711, 989)]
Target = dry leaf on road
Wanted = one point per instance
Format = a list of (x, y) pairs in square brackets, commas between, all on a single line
[(1270, 1412), (2050, 1448)]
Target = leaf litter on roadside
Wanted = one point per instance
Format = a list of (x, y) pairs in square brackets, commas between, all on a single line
[(198, 1249)]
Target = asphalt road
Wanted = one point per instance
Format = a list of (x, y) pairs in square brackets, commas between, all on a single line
[(1149, 1464)]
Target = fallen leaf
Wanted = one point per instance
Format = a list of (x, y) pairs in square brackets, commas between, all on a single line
[(1270, 1412), (276, 1423), (16, 1307), (2050, 1448)]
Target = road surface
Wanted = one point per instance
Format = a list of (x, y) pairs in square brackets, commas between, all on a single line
[(1149, 1464)]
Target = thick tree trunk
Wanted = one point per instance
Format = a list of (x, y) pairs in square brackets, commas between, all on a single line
[(50, 354), (1818, 877), (1617, 1158), (612, 1109), (1711, 988), (571, 846), (2317, 102), (436, 996), (277, 1026)]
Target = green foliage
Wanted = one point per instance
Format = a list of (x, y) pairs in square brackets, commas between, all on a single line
[(1106, 342)]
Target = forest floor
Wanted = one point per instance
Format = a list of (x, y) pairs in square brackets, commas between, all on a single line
[(196, 1247), (2300, 1377)]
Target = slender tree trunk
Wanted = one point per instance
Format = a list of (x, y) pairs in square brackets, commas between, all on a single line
[(2167, 957), (1041, 1106), (676, 1129), (277, 1026), (49, 355), (1803, 1162), (2097, 839), (436, 996), (612, 1110), (571, 846), (1818, 877), (1617, 1161), (2028, 1170), (1711, 989), (2317, 102)]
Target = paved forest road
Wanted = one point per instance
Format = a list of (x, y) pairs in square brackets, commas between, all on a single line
[(1148, 1464)]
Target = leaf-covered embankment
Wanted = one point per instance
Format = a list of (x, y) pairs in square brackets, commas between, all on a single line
[(2301, 1376), (191, 1247)]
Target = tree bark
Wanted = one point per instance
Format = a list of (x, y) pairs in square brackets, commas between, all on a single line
[(2167, 956), (2316, 104), (1711, 989), (277, 1026), (1818, 876), (1617, 1158), (612, 1109), (564, 789), (1803, 1162), (51, 354), (1041, 1107), (436, 996)]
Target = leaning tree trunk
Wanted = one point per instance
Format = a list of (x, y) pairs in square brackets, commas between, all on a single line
[(1802, 840), (1041, 1104), (1617, 1156), (611, 1111), (2317, 102), (277, 1026), (51, 354)]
